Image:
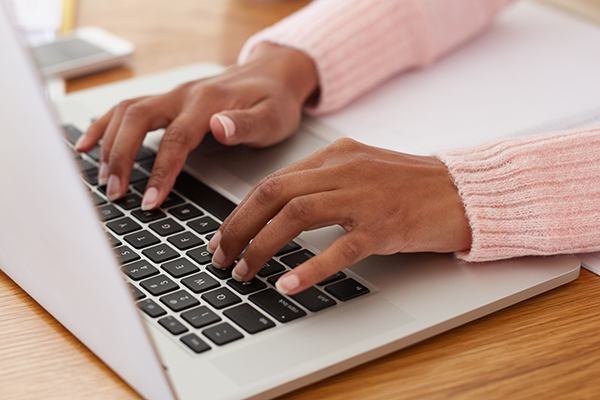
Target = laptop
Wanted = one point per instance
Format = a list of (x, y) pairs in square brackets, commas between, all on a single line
[(148, 303)]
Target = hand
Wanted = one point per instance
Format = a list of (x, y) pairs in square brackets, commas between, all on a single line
[(387, 202), (258, 103)]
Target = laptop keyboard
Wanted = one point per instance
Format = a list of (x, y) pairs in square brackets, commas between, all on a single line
[(169, 272)]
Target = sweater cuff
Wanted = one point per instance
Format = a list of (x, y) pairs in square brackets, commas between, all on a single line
[(538, 195)]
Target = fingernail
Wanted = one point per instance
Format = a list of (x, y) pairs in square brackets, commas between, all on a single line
[(103, 174), (218, 258), (149, 200), (228, 125), (79, 142), (214, 243), (240, 271), (113, 189), (287, 283)]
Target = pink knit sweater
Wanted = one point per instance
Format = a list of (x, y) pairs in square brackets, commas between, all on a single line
[(523, 196)]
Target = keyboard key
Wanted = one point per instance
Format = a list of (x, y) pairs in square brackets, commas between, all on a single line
[(85, 165), (253, 285), (161, 253), (346, 290), (221, 273), (333, 278), (195, 343), (248, 318), (147, 165), (144, 153), (185, 212), (180, 267), (139, 270), (159, 285), (288, 248), (270, 268), (166, 227), (137, 293), (313, 299), (141, 239), (221, 298), (71, 133), (200, 282), (204, 225), (114, 242), (136, 176), (204, 196), (185, 240), (151, 308), (295, 259), (109, 212), (222, 334), (126, 255), (98, 200), (90, 176), (200, 317), (129, 202), (102, 189), (200, 255), (148, 216), (280, 308), (172, 325), (179, 300), (94, 153), (141, 186), (123, 226), (171, 200), (273, 278)]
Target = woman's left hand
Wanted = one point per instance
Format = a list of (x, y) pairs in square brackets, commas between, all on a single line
[(387, 202)]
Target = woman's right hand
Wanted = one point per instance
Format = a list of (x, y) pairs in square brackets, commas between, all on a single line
[(257, 104)]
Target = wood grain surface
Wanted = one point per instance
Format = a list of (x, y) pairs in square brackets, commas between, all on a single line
[(544, 348)]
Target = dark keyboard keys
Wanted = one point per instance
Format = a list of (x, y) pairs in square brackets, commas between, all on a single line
[(273, 278), (166, 227), (280, 308), (180, 267), (221, 298), (172, 325), (204, 196), (222, 334), (200, 282), (200, 255), (253, 285), (141, 239), (179, 300), (185, 212), (221, 273), (185, 240), (295, 259), (204, 225), (94, 153), (346, 290), (288, 248), (114, 242), (333, 278), (123, 226), (148, 216), (137, 293), (90, 176), (159, 285), (129, 202), (161, 253), (109, 212), (151, 308), (270, 268), (141, 186), (98, 200), (137, 175), (144, 153), (71, 133), (147, 165), (195, 343), (85, 165), (126, 255), (248, 318), (313, 299), (200, 317), (139, 270), (171, 200)]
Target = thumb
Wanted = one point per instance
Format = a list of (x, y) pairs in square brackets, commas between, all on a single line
[(261, 125)]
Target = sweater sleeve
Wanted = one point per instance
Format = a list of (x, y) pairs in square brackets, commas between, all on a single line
[(538, 195), (358, 44)]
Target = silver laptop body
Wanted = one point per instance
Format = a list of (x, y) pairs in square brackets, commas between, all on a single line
[(53, 245)]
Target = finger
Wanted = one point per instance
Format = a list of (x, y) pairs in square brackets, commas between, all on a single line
[(92, 136), (300, 214), (181, 136), (263, 124), (138, 119), (270, 196), (345, 251)]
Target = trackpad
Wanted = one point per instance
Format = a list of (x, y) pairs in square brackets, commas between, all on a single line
[(319, 336)]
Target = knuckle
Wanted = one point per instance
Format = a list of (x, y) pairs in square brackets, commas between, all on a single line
[(175, 136), (207, 91), (269, 190), (124, 105), (351, 249), (300, 209), (346, 144), (159, 175), (138, 110)]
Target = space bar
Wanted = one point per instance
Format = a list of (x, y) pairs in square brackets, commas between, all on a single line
[(204, 196)]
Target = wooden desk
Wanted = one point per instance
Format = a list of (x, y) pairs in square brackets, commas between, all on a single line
[(546, 347)]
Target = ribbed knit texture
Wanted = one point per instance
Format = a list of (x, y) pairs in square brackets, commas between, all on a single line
[(358, 44), (537, 195)]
